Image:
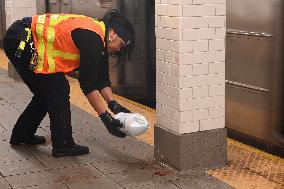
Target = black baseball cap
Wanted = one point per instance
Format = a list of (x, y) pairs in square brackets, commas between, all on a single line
[(124, 29), (122, 32)]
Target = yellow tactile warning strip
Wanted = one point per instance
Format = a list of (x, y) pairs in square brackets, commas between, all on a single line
[(248, 168)]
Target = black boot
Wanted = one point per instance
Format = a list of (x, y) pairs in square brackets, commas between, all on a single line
[(75, 150), (34, 140)]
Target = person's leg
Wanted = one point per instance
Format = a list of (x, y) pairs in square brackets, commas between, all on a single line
[(30, 119), (28, 122), (56, 90)]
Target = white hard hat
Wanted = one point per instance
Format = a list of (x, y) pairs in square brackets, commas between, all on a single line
[(133, 124)]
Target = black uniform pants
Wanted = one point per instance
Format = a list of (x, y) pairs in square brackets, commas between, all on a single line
[(51, 95)]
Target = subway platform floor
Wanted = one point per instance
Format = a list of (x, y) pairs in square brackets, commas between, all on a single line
[(112, 162)]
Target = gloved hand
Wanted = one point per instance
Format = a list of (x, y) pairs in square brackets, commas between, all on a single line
[(116, 108), (112, 125)]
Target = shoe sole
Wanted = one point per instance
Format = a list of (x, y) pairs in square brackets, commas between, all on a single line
[(59, 155), (23, 143)]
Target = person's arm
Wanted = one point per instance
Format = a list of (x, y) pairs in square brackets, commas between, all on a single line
[(95, 101), (107, 94), (91, 57), (105, 84), (113, 105), (105, 88)]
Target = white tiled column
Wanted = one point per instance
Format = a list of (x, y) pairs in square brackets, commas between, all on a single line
[(16, 10), (190, 65)]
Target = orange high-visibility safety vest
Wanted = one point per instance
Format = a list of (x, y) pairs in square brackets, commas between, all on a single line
[(53, 42)]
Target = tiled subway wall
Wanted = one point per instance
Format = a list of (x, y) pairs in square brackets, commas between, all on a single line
[(190, 63), (17, 9)]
